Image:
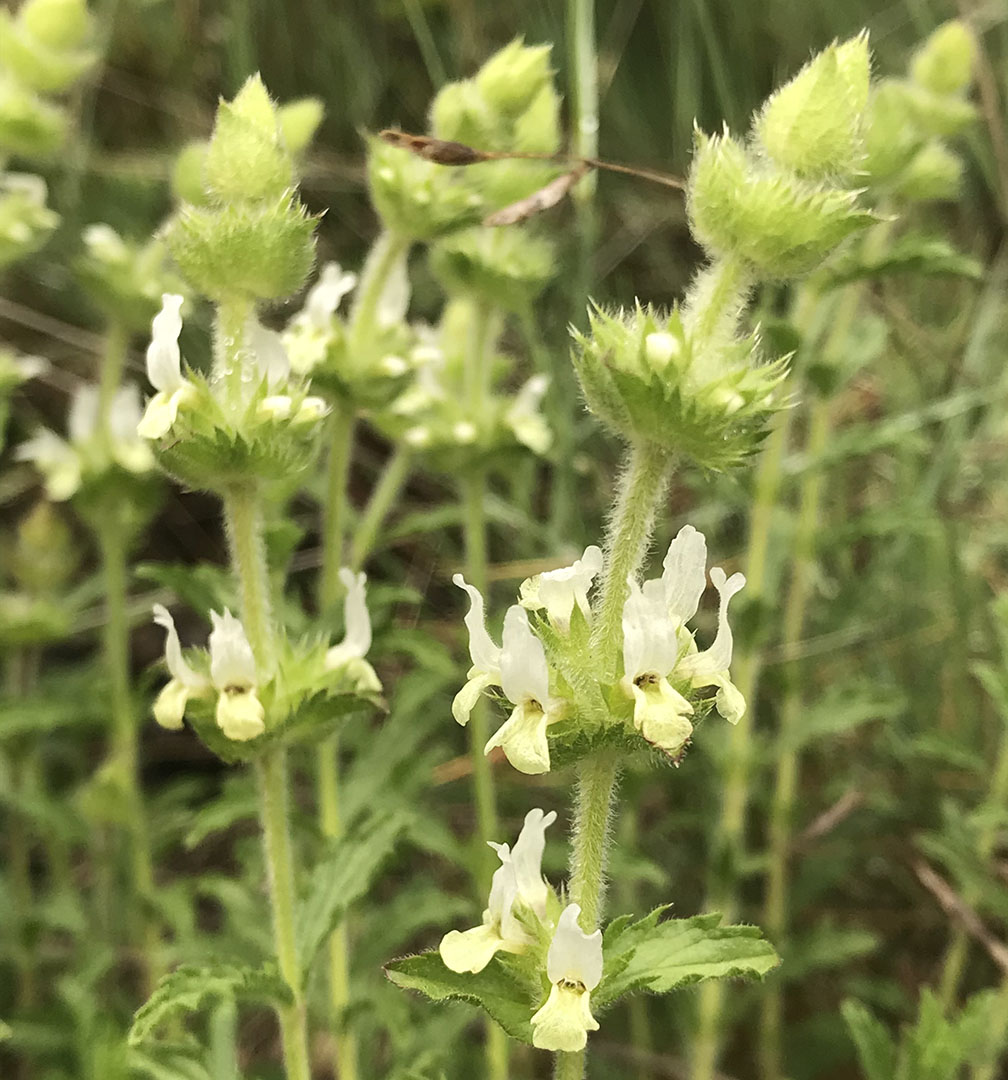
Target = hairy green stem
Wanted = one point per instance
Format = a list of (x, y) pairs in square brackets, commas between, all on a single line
[(383, 498), (629, 534), (714, 305), (775, 910), (274, 814), (243, 517)]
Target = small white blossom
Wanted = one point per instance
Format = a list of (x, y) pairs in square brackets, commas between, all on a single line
[(657, 646), (574, 968), (270, 355), (311, 410), (519, 668), (326, 295), (169, 707), (56, 460), (558, 591), (518, 880), (164, 370), (240, 714), (524, 418), (350, 652)]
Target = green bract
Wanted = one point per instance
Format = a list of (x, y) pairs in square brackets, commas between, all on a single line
[(509, 105), (507, 267), (944, 63), (642, 377), (259, 250), (29, 126), (46, 45), (784, 226), (216, 443), (812, 124)]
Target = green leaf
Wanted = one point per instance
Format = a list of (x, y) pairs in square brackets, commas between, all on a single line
[(875, 1049), (191, 987), (840, 712), (911, 254), (5, 1031), (496, 988), (341, 878), (661, 956), (164, 1066), (824, 948)]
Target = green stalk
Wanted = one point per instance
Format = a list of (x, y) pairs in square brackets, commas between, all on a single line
[(274, 815), (472, 495), (627, 542), (727, 845), (334, 512), (997, 800), (642, 487), (243, 517), (383, 498), (113, 545), (386, 251), (775, 910), (583, 85), (729, 835)]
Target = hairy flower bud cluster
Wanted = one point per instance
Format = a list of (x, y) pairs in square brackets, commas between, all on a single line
[(567, 694), (436, 414), (248, 702), (908, 120), (213, 433), (367, 371), (510, 104), (780, 204), (251, 239), (645, 377), (523, 917)]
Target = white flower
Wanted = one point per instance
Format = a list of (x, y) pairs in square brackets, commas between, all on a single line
[(164, 370), (657, 645), (270, 355), (240, 714), (525, 419), (518, 880), (710, 668), (519, 668), (56, 460), (326, 295), (169, 708), (559, 590), (574, 967), (128, 449), (350, 652), (650, 652)]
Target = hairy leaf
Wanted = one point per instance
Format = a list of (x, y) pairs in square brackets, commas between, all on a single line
[(193, 986), (660, 956), (496, 988), (341, 878)]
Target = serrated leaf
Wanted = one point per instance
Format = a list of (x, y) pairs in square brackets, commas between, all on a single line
[(678, 952), (192, 987), (167, 1066), (875, 1049), (341, 878), (496, 989)]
